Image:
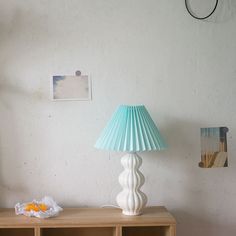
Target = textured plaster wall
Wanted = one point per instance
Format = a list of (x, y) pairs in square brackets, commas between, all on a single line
[(137, 51)]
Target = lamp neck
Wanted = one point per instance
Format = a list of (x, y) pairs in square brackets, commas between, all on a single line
[(132, 152)]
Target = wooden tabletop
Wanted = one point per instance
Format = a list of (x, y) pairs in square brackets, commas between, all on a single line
[(89, 216)]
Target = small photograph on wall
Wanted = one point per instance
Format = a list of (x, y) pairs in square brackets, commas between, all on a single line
[(71, 87), (214, 147)]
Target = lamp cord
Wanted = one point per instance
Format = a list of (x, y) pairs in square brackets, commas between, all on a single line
[(110, 206)]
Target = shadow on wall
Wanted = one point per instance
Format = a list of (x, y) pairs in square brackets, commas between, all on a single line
[(27, 26), (10, 161), (21, 22), (10, 152), (189, 187), (183, 138), (201, 227), (7, 90)]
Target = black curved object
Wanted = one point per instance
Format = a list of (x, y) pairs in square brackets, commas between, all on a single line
[(200, 18)]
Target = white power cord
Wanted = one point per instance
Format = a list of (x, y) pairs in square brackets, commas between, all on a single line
[(110, 206)]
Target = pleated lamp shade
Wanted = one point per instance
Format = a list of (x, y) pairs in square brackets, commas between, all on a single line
[(131, 129)]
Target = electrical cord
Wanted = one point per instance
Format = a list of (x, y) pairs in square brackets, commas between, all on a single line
[(110, 206)]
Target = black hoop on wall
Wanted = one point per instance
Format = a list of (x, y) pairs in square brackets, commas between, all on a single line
[(200, 18)]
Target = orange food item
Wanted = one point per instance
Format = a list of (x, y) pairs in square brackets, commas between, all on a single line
[(36, 207), (43, 207), (29, 207)]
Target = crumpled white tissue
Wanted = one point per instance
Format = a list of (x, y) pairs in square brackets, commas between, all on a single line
[(53, 208)]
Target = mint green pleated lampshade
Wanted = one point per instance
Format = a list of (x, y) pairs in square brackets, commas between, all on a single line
[(131, 129)]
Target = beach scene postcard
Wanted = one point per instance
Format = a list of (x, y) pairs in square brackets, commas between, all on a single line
[(214, 147), (71, 87)]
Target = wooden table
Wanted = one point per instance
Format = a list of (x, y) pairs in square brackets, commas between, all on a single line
[(155, 221)]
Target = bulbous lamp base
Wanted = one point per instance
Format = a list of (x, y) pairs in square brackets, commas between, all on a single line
[(131, 199)]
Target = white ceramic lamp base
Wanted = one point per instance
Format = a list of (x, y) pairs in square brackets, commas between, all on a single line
[(131, 199)]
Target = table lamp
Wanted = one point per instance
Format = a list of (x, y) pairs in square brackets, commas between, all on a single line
[(131, 129)]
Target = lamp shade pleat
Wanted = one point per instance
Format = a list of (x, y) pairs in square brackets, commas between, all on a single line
[(131, 129)]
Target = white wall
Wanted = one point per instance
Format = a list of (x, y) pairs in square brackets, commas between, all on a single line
[(137, 51)]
